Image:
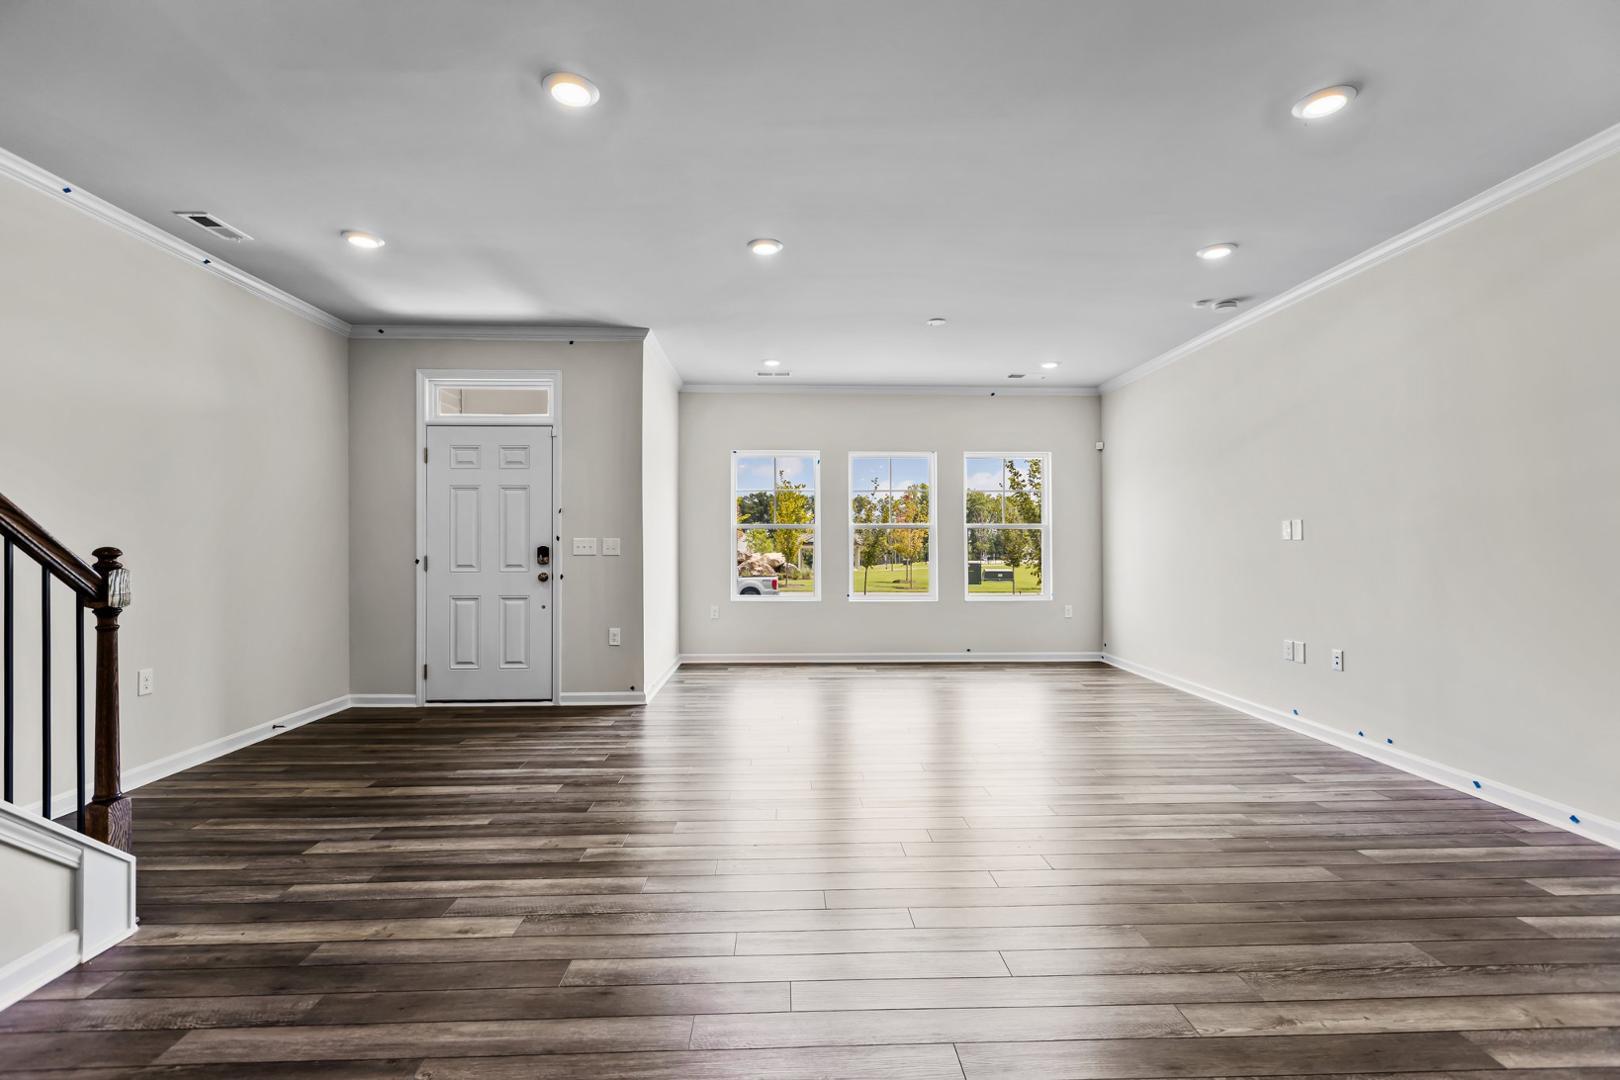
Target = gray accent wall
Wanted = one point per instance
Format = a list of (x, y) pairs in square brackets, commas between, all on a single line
[(599, 450)]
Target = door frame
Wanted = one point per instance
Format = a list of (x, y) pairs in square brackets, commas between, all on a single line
[(426, 378)]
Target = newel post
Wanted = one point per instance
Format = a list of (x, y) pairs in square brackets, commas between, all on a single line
[(107, 818)]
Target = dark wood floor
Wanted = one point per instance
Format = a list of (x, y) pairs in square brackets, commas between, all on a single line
[(798, 873)]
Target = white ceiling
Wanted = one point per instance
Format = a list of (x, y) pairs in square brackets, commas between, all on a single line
[(1037, 172)]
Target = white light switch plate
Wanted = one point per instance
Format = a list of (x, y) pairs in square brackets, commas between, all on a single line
[(143, 682), (1288, 650), (714, 611), (613, 635), (1299, 529), (610, 545), (584, 545), (1068, 611), (1287, 529), (1299, 652)]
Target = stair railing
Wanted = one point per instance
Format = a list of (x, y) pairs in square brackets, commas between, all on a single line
[(104, 589)]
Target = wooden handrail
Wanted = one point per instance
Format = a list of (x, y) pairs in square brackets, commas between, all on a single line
[(104, 590), (49, 552)]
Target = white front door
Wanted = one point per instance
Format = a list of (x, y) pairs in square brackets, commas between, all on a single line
[(489, 579)]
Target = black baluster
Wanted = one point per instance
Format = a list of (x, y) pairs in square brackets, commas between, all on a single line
[(45, 688), (78, 656), (10, 688)]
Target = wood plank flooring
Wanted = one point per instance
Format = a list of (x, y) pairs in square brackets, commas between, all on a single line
[(905, 873)]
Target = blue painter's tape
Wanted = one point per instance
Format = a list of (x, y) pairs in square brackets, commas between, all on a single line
[(1361, 734), (1390, 741), (67, 191), (1575, 819), (1478, 784), (1296, 712)]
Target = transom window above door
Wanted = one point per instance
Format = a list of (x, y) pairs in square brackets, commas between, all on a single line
[(775, 525), (891, 525), (482, 400)]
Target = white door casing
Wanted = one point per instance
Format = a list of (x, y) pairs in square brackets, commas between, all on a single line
[(488, 515)]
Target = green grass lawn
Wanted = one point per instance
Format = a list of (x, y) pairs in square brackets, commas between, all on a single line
[(1024, 577), (891, 579)]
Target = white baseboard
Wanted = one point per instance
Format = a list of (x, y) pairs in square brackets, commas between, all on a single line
[(1591, 826), (894, 658), (33, 970), (382, 701), (145, 774), (601, 697), (658, 683)]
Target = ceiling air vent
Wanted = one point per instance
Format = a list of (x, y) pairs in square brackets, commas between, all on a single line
[(773, 374), (212, 223), (1020, 376)]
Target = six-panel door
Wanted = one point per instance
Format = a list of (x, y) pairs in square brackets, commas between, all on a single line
[(488, 612)]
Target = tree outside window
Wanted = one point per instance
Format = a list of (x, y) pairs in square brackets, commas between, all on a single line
[(1006, 520)]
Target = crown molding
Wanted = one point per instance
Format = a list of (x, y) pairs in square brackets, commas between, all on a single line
[(1580, 156), (495, 332), (63, 191), (879, 389)]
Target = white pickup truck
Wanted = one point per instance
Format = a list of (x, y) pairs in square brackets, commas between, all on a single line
[(757, 586)]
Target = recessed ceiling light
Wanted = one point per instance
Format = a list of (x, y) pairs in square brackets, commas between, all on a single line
[(1324, 103), (574, 91), (772, 363), (764, 245), (936, 321), (1049, 364), (369, 241), (1216, 252)]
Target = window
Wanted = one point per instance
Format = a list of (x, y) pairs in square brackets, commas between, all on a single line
[(482, 400), (1007, 516), (891, 526), (775, 519)]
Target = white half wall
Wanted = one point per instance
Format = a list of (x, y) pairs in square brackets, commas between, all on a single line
[(600, 495), (152, 405), (1444, 424), (714, 424), (660, 508)]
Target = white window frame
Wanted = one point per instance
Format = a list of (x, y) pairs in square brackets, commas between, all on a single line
[(815, 530), (1045, 529), (933, 537), (434, 381)]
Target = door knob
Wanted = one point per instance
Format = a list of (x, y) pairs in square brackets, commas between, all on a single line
[(544, 576)]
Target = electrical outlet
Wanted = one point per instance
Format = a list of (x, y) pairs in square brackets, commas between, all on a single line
[(1299, 652), (1299, 529), (1288, 650), (143, 682), (1068, 611), (610, 545), (1338, 659), (613, 635), (714, 611), (1287, 529)]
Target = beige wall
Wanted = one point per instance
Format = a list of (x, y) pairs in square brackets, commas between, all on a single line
[(599, 450), (660, 509), (152, 405), (713, 425), (1445, 425)]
